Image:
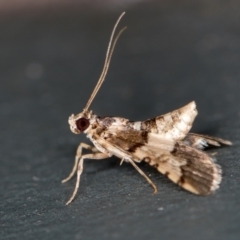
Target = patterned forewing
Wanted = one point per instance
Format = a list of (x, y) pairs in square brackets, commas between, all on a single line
[(173, 125), (185, 165)]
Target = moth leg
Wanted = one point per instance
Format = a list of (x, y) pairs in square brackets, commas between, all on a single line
[(143, 174), (95, 156), (122, 160), (77, 157)]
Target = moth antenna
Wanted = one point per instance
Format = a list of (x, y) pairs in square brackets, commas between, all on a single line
[(109, 53), (104, 73)]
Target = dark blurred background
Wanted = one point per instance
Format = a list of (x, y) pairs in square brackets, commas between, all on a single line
[(173, 52)]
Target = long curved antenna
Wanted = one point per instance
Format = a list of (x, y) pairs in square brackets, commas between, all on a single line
[(107, 61), (104, 73)]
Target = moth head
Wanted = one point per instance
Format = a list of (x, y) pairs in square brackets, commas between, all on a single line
[(80, 123)]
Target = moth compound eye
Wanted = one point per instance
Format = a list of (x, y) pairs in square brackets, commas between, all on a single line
[(82, 124)]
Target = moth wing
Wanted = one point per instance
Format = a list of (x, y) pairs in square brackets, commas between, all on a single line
[(186, 166), (200, 141), (133, 141), (173, 125)]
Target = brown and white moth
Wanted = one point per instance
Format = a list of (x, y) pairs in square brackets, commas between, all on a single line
[(164, 142)]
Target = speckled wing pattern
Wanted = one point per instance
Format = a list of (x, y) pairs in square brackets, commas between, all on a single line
[(165, 143)]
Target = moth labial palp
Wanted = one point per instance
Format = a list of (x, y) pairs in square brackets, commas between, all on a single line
[(164, 142)]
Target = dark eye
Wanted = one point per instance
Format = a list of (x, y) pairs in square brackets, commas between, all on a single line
[(82, 124)]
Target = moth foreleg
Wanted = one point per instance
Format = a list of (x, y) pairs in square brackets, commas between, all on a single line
[(143, 174), (95, 156), (77, 157)]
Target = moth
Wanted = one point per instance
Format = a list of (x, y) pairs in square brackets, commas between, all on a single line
[(164, 142)]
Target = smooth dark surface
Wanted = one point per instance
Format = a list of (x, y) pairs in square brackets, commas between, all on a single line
[(170, 54)]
